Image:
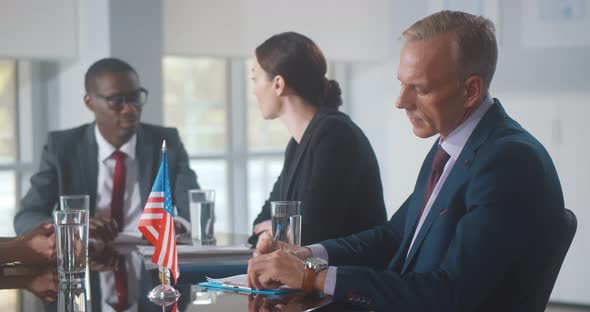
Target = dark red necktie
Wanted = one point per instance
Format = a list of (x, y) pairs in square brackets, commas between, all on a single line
[(117, 200), (438, 165), (118, 193)]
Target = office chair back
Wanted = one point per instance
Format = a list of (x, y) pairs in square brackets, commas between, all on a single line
[(567, 236), (553, 249)]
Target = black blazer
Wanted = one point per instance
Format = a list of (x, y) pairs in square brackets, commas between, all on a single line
[(333, 171)]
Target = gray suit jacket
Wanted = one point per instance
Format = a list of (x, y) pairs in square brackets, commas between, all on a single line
[(69, 165)]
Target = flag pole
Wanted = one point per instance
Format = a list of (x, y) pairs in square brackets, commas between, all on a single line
[(164, 275), (164, 272), (163, 294)]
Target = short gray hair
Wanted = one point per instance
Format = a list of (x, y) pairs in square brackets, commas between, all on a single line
[(475, 38)]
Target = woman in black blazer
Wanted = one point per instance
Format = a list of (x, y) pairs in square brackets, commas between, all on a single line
[(329, 165)]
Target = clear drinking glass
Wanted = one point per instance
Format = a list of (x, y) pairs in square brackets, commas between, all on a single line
[(71, 235), (76, 202), (286, 216), (71, 300), (202, 212)]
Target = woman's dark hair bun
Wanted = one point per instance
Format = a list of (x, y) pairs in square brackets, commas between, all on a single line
[(301, 63), (332, 94)]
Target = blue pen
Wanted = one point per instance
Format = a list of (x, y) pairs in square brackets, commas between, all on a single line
[(276, 238)]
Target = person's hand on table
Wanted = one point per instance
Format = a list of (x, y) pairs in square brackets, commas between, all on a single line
[(104, 260), (257, 303), (265, 246), (264, 226), (179, 227), (36, 246), (43, 285), (289, 304), (272, 270), (103, 228), (260, 303)]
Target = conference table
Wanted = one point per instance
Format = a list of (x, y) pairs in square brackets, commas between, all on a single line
[(100, 295)]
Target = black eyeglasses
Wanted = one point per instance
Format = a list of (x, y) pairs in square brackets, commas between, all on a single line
[(116, 102)]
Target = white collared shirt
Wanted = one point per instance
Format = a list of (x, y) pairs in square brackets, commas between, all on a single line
[(453, 145), (104, 187), (131, 211)]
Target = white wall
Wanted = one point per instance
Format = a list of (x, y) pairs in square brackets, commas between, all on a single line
[(130, 30), (236, 27), (47, 27), (93, 42), (137, 36)]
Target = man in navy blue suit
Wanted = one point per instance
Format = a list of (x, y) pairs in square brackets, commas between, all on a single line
[(486, 195)]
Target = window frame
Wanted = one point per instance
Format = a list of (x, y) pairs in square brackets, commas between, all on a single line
[(30, 127)]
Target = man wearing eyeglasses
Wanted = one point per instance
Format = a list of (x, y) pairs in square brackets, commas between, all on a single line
[(113, 159)]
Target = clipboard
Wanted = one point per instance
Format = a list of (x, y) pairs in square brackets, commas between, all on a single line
[(244, 289)]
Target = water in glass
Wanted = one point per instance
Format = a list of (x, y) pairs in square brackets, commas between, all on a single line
[(202, 221), (72, 251)]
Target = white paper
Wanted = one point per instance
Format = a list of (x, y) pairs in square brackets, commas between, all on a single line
[(238, 280)]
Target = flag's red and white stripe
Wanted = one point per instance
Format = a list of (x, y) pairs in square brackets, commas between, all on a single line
[(158, 227), (152, 216)]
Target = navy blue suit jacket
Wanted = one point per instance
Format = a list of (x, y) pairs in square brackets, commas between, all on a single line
[(498, 202)]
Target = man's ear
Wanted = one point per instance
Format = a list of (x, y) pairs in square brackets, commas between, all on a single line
[(88, 101), (278, 84), (474, 88)]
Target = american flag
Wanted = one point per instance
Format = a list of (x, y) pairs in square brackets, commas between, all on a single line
[(157, 222)]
